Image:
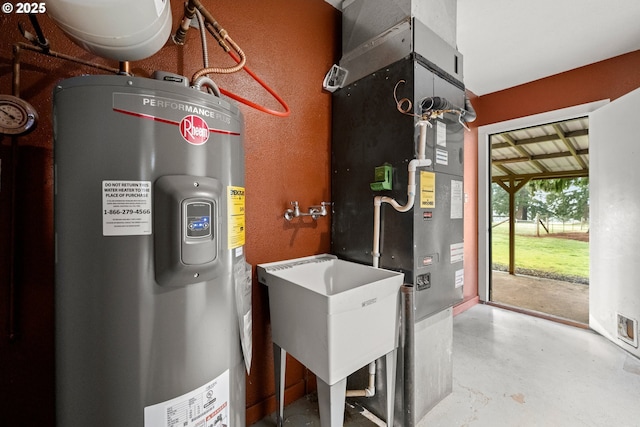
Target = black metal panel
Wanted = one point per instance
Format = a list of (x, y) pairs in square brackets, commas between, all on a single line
[(369, 131)]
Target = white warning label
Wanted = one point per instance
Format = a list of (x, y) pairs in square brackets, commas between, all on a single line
[(126, 208), (459, 278), (457, 252), (441, 134), (206, 406)]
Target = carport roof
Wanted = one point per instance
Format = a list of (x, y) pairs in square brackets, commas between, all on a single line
[(554, 150)]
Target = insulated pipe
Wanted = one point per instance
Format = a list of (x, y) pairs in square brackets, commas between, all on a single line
[(436, 103)]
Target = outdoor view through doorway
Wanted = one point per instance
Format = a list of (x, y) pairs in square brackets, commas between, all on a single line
[(540, 219)]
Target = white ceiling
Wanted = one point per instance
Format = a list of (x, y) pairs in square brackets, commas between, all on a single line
[(510, 42)]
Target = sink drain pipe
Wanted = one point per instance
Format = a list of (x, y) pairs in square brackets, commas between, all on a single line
[(421, 161), (369, 391)]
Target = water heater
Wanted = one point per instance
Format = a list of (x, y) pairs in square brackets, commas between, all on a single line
[(149, 224)]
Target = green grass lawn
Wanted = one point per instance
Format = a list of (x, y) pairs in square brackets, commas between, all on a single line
[(562, 257)]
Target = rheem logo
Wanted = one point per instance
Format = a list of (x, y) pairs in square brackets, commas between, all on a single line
[(194, 130)]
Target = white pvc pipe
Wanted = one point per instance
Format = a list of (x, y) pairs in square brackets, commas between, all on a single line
[(411, 192), (369, 391), (422, 144), (377, 203)]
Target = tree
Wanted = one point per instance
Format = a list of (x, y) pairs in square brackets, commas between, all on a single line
[(500, 201), (565, 199)]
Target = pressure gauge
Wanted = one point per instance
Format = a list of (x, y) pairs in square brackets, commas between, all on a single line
[(17, 116)]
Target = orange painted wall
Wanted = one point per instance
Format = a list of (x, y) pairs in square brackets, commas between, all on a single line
[(290, 44), (470, 289), (607, 79)]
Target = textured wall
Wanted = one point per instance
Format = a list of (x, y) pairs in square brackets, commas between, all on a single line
[(290, 44), (607, 79)]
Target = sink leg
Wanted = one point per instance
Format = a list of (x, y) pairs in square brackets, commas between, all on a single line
[(390, 362), (280, 367), (331, 400)]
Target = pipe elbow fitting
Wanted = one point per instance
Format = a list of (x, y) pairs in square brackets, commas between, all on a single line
[(369, 392)]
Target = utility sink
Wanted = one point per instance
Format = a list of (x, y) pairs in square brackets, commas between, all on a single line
[(334, 316)]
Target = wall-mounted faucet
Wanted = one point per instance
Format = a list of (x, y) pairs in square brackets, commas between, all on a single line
[(315, 212)]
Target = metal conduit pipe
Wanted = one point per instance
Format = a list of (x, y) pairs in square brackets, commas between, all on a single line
[(193, 7), (219, 70), (203, 40), (207, 82)]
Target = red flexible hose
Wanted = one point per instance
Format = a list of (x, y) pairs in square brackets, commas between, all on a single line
[(251, 104)]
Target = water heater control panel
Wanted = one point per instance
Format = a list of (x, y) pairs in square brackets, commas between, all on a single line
[(198, 245), (186, 229), (198, 219)]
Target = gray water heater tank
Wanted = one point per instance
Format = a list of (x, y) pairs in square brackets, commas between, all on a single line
[(149, 224)]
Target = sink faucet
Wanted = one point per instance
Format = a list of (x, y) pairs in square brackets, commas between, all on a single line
[(314, 212)]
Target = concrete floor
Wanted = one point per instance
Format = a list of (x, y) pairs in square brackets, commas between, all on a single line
[(511, 369), (556, 298)]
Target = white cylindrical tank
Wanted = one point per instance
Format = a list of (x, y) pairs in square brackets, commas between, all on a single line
[(123, 30)]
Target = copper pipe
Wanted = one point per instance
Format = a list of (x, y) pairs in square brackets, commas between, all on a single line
[(58, 55), (125, 68), (15, 88)]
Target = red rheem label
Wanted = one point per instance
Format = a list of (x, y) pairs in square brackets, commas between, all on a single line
[(194, 130)]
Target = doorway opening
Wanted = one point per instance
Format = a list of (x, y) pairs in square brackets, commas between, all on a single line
[(539, 219)]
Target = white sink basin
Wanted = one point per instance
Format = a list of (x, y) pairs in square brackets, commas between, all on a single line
[(334, 316)]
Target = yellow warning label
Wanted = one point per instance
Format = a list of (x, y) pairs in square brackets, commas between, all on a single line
[(235, 216), (427, 190)]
